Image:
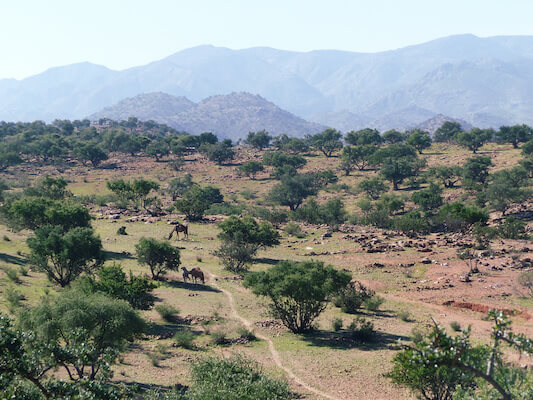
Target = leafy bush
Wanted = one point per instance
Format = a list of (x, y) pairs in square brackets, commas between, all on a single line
[(235, 378), (197, 200), (412, 221), (428, 199), (298, 292), (184, 339), (219, 338), (331, 212), (404, 315), (167, 312), (246, 334), (136, 290), (273, 216), (373, 187), (512, 228), (12, 275), (225, 209), (525, 279), (294, 230), (352, 297), (336, 324), (457, 216), (373, 303), (456, 326), (250, 168), (362, 329)]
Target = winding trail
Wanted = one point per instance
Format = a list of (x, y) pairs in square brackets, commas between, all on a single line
[(275, 355)]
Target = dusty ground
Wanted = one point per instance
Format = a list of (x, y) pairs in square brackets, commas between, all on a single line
[(420, 275)]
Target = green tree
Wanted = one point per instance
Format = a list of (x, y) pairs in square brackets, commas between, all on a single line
[(251, 168), (447, 131), (428, 199), (505, 188), (52, 188), (397, 170), (331, 212), (394, 151), (197, 200), (207, 137), (259, 140), (8, 158), (363, 137), (474, 139), (357, 156), (90, 152), (373, 187), (220, 152), (112, 280), (515, 134), (177, 187), (293, 190), (476, 170), (65, 256), (298, 292), (393, 136), (447, 175), (418, 139), (157, 149), (87, 332), (160, 256), (242, 238), (327, 142), (141, 189)]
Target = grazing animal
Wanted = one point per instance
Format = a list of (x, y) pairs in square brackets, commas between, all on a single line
[(196, 274), (179, 228)]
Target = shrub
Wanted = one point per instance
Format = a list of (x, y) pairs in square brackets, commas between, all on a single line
[(298, 292), (362, 329), (259, 140), (235, 378), (236, 257), (457, 216), (136, 290), (219, 338), (13, 298), (412, 221), (251, 168), (23, 270), (159, 256), (248, 194), (273, 216), (184, 339), (12, 275), (246, 334), (121, 231), (525, 279), (167, 312), (373, 303), (294, 230), (331, 212), (6, 238), (428, 199), (512, 228), (225, 209), (197, 200), (404, 315), (352, 297), (373, 187), (336, 324), (456, 326)]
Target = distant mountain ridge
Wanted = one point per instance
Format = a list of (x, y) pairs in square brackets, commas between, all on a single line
[(229, 116), (483, 81)]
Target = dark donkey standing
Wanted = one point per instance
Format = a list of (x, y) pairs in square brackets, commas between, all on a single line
[(179, 227)]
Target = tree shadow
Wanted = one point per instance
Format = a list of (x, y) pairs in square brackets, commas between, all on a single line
[(194, 287), (115, 255), (267, 260), (343, 340), (10, 259)]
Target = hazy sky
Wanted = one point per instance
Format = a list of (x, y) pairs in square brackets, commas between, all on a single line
[(36, 35)]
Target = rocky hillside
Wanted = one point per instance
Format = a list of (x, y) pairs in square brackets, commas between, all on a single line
[(231, 116)]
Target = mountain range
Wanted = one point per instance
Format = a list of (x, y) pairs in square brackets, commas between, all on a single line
[(482, 81)]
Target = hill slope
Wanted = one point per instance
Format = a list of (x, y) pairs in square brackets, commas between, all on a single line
[(231, 116)]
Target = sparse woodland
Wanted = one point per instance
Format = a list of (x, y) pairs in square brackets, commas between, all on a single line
[(137, 261)]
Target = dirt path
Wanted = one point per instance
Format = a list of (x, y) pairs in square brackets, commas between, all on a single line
[(275, 355)]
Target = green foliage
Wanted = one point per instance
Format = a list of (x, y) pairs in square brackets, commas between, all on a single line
[(220, 152), (167, 312), (447, 175), (456, 326), (428, 199), (512, 228), (241, 239), (184, 339), (259, 140), (112, 280), (394, 151), (476, 170), (274, 216), (197, 201), (90, 152), (525, 279), (360, 156), (298, 292), (65, 256), (404, 315), (363, 137), (157, 149), (362, 329), (474, 139), (373, 187), (447, 131), (351, 298), (251, 168), (225, 209), (294, 230), (336, 324), (327, 142), (160, 256), (393, 136), (418, 139), (331, 212), (457, 216), (397, 170), (35, 212), (293, 190), (8, 158), (515, 134), (505, 188), (177, 187), (411, 222), (235, 378), (373, 303), (51, 188), (439, 365), (136, 191)]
